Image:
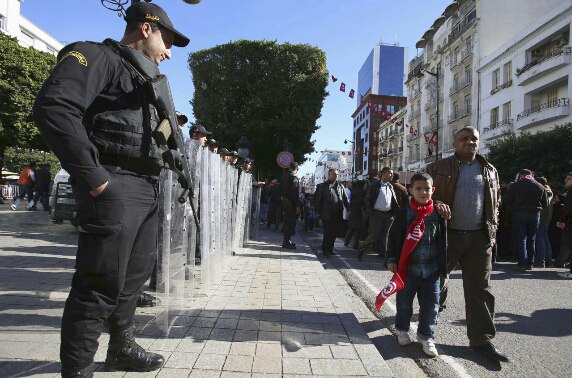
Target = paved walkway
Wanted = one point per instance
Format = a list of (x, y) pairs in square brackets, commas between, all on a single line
[(275, 313)]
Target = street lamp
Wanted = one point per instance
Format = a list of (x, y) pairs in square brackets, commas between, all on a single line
[(420, 74), (119, 6)]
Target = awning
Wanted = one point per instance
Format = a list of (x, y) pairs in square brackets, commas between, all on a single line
[(421, 43), (451, 8), (438, 22), (429, 33)]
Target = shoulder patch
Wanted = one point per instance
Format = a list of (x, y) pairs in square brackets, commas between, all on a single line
[(79, 56)]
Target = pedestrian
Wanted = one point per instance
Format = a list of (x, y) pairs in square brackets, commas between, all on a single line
[(399, 189), (355, 222), (565, 224), (26, 187), (526, 198), (543, 247), (380, 204), (346, 213), (470, 186), (291, 204), (331, 200), (42, 186), (555, 233), (275, 205), (114, 166), (420, 223), (264, 198)]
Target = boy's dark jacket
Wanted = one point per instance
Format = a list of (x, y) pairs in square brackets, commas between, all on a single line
[(398, 231)]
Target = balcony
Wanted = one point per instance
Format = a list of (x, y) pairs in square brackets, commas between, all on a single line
[(543, 113), (460, 84), (416, 70), (498, 129), (501, 87), (414, 93), (551, 61), (453, 117), (465, 112), (466, 53), (431, 104), (462, 26)]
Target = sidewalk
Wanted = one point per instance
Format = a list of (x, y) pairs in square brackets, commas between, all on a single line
[(276, 312)]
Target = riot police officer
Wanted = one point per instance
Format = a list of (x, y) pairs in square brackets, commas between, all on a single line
[(95, 113), (291, 204)]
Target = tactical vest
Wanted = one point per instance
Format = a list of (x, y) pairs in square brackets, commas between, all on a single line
[(124, 136)]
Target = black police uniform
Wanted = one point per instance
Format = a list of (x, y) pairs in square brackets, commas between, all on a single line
[(95, 116), (290, 201)]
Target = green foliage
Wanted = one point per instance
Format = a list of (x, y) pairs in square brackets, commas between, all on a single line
[(17, 159), (266, 91), (549, 153), (22, 73)]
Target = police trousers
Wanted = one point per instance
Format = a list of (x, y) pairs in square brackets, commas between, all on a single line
[(117, 247)]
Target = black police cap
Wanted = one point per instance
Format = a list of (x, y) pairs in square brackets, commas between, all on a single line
[(149, 12)]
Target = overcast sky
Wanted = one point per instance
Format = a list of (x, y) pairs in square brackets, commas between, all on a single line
[(346, 30)]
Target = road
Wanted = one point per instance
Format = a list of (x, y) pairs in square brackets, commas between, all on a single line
[(533, 319)]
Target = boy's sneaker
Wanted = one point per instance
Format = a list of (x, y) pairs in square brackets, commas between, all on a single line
[(13, 207), (403, 337), (429, 347)]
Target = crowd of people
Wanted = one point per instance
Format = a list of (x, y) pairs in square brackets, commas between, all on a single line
[(456, 215)]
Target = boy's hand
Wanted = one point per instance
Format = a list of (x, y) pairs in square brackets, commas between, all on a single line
[(443, 210), (561, 225), (392, 267)]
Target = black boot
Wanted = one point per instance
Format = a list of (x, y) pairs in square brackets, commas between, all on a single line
[(72, 373), (126, 355)]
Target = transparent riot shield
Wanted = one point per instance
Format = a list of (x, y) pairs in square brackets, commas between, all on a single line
[(172, 252), (256, 193)]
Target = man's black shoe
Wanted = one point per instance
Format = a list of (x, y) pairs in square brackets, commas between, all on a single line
[(289, 245), (147, 300), (491, 352), (126, 355), (85, 372)]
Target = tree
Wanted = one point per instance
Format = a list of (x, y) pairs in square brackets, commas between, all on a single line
[(263, 90), (16, 159), (548, 153), (22, 73)]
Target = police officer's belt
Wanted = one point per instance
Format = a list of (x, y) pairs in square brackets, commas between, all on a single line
[(140, 166)]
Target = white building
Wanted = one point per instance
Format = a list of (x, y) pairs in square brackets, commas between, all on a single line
[(525, 84), (444, 94), (27, 33), (340, 160)]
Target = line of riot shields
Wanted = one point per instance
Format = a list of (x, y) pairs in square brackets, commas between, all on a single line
[(191, 259)]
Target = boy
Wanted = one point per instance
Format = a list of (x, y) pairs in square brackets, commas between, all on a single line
[(428, 260)]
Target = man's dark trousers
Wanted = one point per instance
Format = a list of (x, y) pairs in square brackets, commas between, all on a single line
[(332, 225), (116, 252), (472, 250), (525, 224), (290, 217), (380, 223)]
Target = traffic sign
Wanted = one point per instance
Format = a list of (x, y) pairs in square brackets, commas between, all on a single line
[(284, 159)]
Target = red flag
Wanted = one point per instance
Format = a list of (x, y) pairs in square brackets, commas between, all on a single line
[(343, 87), (334, 79), (412, 238), (426, 138), (352, 92)]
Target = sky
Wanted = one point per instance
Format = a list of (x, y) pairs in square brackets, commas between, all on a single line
[(346, 30)]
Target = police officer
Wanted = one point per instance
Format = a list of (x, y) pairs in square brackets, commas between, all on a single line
[(291, 204), (95, 114)]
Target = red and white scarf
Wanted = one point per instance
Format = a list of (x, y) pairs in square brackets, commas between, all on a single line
[(414, 234)]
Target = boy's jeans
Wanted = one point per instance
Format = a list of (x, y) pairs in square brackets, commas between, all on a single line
[(543, 248), (427, 291)]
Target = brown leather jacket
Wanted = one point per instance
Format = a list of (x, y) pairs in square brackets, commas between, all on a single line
[(445, 173)]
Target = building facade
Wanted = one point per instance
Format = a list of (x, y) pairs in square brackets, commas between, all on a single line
[(28, 34), (382, 72), (443, 80), (367, 119), (525, 84), (391, 139)]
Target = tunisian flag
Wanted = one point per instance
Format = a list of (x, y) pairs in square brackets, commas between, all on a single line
[(414, 234)]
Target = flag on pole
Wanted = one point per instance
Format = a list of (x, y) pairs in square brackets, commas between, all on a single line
[(352, 92), (334, 79), (343, 87)]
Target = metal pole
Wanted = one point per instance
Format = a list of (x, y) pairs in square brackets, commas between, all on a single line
[(437, 136)]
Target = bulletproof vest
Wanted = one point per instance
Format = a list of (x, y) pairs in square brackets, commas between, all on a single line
[(126, 133)]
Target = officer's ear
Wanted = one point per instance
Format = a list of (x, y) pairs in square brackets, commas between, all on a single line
[(145, 29)]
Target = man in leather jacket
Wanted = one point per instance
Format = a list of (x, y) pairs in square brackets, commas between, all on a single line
[(95, 114), (470, 186)]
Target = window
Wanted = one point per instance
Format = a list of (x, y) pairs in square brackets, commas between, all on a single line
[(438, 69), (506, 111), (455, 110), (494, 116), (507, 68), (455, 56), (366, 137), (456, 81), (468, 74), (496, 78), (552, 96), (367, 110), (469, 43), (467, 104), (2, 22), (26, 38), (390, 108), (365, 166)]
